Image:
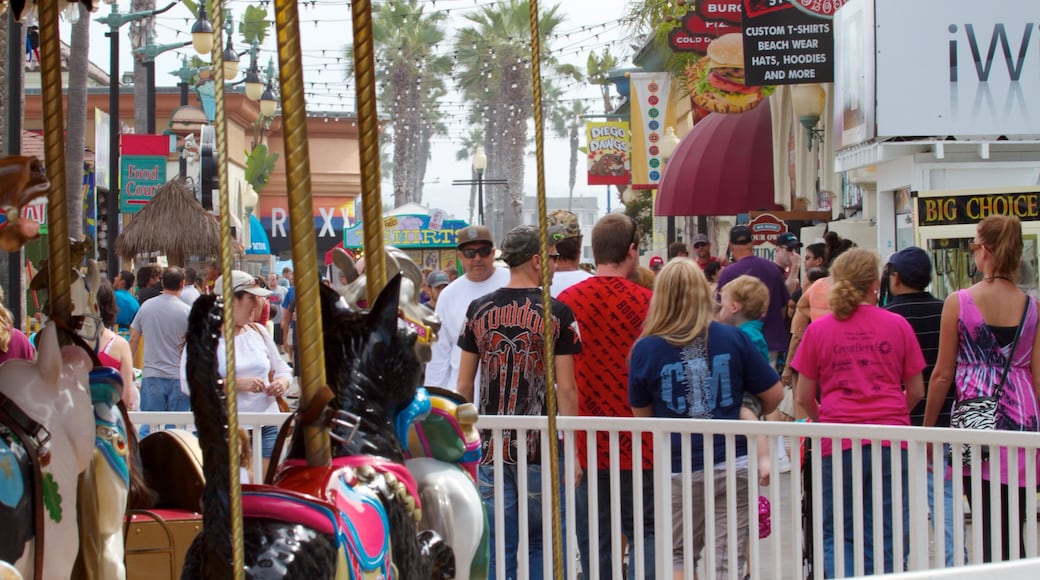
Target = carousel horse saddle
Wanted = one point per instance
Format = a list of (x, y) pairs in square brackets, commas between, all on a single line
[(355, 518), (172, 462), (16, 497)]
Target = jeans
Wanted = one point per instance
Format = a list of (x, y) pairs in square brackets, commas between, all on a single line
[(159, 394), (850, 535), (511, 508), (947, 517), (602, 511)]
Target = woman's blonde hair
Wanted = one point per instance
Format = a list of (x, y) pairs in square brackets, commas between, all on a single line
[(6, 323), (682, 307), (853, 273), (1002, 236)]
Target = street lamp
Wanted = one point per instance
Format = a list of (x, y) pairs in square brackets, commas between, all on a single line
[(268, 102), (202, 32), (808, 102), (479, 165), (149, 53), (115, 20)]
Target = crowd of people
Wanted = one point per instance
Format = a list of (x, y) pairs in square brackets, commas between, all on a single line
[(825, 332)]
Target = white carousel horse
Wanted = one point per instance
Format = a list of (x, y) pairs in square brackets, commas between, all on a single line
[(422, 320), (49, 402), (444, 450)]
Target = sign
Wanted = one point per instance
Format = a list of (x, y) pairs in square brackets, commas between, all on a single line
[(765, 228), (142, 169), (409, 231), (650, 115), (710, 19), (825, 8), (784, 45), (608, 158), (973, 69), (973, 207), (332, 213), (854, 78)]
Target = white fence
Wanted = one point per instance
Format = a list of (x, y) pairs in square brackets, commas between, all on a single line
[(780, 555)]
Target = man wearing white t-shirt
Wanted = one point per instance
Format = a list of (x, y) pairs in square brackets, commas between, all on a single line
[(568, 252), (477, 256)]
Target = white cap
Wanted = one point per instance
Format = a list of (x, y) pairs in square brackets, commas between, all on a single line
[(241, 282)]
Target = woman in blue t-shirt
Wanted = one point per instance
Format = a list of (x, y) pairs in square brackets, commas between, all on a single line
[(685, 365)]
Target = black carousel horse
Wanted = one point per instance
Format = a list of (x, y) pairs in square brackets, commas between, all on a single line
[(358, 514)]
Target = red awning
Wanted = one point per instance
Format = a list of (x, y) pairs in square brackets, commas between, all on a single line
[(724, 166)]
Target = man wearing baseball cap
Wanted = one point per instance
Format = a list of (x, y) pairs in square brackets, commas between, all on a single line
[(436, 281), (789, 260), (907, 274), (503, 336), (476, 253), (702, 251), (568, 246)]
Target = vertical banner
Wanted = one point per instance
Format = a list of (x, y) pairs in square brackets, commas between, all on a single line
[(650, 99), (609, 160), (142, 169)]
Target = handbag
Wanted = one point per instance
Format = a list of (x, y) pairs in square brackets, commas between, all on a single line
[(981, 412)]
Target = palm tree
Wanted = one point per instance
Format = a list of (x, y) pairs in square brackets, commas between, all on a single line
[(408, 71), (597, 68), (140, 32), (76, 123), (567, 121), (494, 58)]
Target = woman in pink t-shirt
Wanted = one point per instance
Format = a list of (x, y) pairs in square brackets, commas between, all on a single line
[(860, 357), (13, 344)]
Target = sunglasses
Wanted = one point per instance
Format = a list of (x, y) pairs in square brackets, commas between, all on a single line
[(482, 251), (554, 257), (635, 232), (972, 246)]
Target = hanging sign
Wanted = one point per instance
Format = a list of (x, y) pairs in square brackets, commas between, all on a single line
[(785, 43), (142, 169), (709, 20), (650, 115), (609, 161)]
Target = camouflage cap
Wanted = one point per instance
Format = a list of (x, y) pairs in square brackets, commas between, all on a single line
[(568, 221)]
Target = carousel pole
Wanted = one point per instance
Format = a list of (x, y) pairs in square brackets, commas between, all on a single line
[(301, 223), (226, 265), (368, 149), (547, 331), (59, 292)]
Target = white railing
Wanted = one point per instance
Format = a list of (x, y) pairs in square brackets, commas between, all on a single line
[(780, 554)]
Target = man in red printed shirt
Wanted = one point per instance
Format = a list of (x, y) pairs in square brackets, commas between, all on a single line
[(610, 310)]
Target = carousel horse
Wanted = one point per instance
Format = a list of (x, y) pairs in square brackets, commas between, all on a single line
[(22, 180), (104, 486), (46, 441), (423, 321), (444, 451), (355, 518)]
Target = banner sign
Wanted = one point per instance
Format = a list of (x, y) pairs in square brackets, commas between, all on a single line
[(784, 44), (709, 20), (972, 208), (854, 80), (650, 95), (142, 169), (974, 69), (410, 231), (609, 160)]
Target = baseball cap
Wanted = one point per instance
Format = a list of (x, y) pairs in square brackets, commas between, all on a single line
[(521, 243), (437, 278), (913, 265), (241, 282), (656, 263), (473, 234), (740, 235), (788, 240), (700, 239), (568, 220)]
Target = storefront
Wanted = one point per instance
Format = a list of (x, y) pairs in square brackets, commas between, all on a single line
[(428, 239)]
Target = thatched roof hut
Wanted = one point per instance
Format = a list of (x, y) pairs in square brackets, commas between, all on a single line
[(173, 223)]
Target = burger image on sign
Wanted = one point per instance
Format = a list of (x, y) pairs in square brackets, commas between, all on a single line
[(716, 81)]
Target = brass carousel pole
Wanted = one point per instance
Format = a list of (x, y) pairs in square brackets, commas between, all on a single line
[(547, 331), (58, 292), (301, 222), (368, 146), (226, 265)]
